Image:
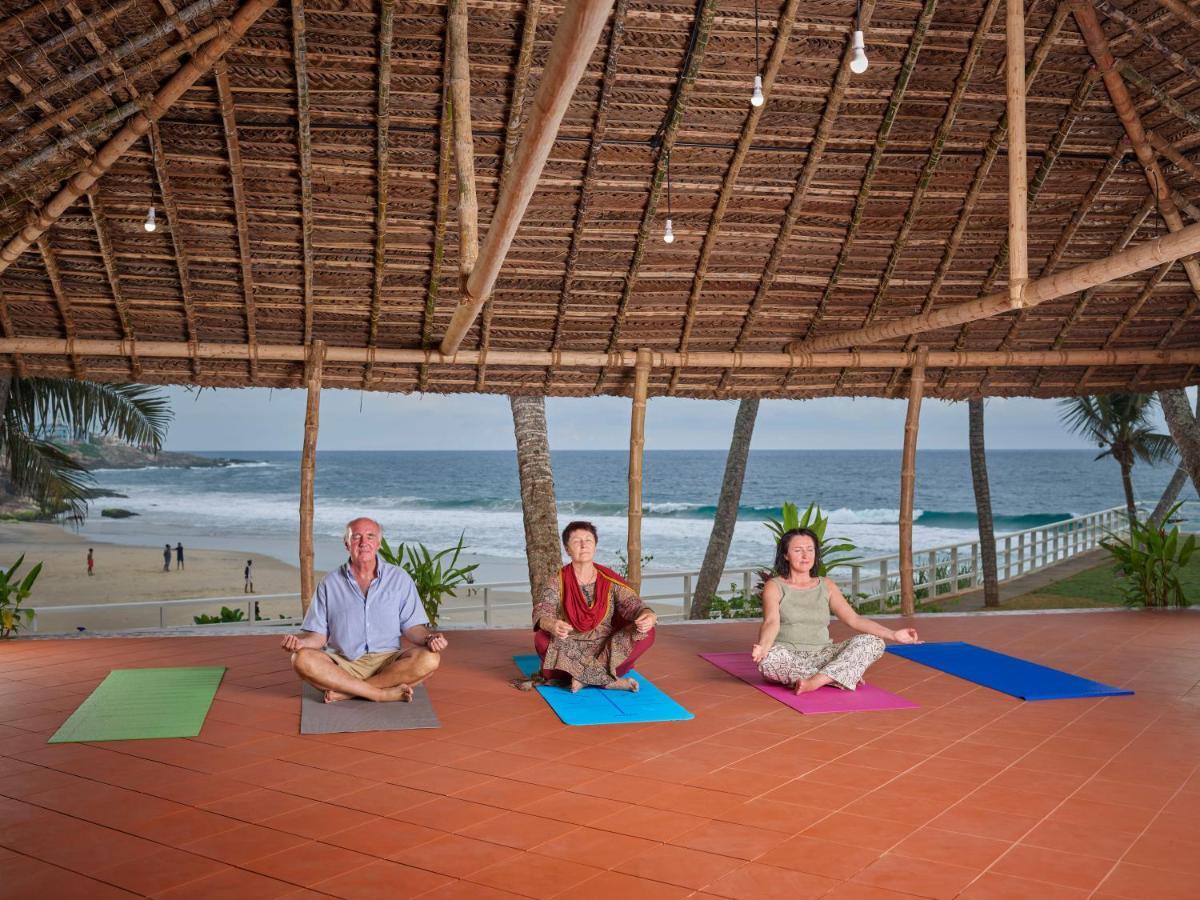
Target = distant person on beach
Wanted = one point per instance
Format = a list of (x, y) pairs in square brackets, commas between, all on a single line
[(91, 562), (793, 646), (179, 555), (350, 645), (248, 588), (589, 626), (166, 557)]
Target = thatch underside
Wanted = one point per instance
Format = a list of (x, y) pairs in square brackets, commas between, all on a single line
[(268, 194)]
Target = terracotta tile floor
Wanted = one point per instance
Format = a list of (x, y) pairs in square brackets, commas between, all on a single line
[(974, 794)]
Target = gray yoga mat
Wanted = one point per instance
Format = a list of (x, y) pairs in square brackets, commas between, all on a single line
[(319, 717)]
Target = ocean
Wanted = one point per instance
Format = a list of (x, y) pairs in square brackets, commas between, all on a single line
[(434, 496)]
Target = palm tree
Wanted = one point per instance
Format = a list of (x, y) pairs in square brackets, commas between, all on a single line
[(1184, 429), (727, 509), (983, 503), (31, 407), (538, 506), (1119, 424)]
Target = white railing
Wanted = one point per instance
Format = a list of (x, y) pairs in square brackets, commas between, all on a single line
[(874, 582)]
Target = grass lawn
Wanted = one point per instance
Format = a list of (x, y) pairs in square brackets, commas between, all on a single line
[(1096, 587)]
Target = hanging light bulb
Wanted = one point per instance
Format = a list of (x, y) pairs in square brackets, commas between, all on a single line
[(756, 98), (858, 57), (668, 234), (668, 230), (150, 224)]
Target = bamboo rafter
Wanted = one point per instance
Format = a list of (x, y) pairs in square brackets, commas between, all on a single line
[(133, 129), (62, 301), (1155, 279), (812, 161), (100, 223), (1182, 12), (1165, 100), (304, 149), (237, 181), (30, 14), (783, 33), (1147, 37), (670, 130), (83, 26), (175, 227), (8, 332), (881, 140), (975, 191), (383, 99)]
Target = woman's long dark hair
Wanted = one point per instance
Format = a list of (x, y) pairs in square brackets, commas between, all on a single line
[(782, 567)]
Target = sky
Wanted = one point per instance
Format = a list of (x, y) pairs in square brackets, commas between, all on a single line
[(262, 419)]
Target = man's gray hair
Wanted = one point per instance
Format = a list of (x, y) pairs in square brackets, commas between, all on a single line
[(350, 528)]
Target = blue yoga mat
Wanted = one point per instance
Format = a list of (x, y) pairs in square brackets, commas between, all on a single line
[(596, 706), (1000, 672)]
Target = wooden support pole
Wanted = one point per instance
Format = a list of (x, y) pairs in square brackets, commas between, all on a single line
[(908, 481), (464, 141), (637, 443), (187, 75), (578, 31), (308, 467), (1146, 255), (1018, 177)]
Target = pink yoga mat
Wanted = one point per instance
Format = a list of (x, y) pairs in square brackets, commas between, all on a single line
[(822, 700)]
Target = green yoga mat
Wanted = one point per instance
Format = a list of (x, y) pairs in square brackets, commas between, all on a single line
[(132, 704)]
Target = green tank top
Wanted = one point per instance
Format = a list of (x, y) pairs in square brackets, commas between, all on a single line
[(803, 616)]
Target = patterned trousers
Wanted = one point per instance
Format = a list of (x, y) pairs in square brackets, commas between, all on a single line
[(844, 662)]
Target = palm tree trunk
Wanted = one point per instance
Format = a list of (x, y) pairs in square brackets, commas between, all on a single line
[(538, 506), (727, 509), (1167, 500), (1127, 484), (5, 383), (983, 503), (1182, 423)]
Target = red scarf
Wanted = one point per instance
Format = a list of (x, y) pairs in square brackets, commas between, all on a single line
[(584, 618)]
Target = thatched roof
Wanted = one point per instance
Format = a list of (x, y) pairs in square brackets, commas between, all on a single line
[(849, 199)]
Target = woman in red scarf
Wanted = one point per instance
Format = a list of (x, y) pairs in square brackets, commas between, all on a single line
[(590, 626)]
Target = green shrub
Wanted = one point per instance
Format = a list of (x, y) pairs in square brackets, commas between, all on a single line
[(1148, 563), (433, 579), (737, 606), (227, 615), (12, 593)]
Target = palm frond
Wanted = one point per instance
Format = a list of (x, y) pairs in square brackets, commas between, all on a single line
[(136, 413), (40, 470)]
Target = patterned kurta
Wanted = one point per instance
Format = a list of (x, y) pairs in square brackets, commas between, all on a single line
[(592, 657)]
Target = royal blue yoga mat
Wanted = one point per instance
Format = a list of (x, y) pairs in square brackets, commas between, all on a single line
[(1004, 673), (596, 706)]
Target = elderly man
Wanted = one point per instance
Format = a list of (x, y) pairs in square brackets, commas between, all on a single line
[(350, 646)]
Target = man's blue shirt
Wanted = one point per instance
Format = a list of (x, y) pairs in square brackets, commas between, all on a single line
[(354, 624)]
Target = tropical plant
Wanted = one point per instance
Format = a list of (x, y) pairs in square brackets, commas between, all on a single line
[(434, 579), (1149, 561), (738, 605), (35, 407), (227, 615), (1119, 424), (12, 592), (817, 523), (623, 562)]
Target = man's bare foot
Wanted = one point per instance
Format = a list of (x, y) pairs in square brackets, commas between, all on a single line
[(624, 684), (575, 686), (335, 696), (400, 693), (808, 685)]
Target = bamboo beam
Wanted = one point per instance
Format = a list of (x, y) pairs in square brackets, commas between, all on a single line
[(313, 370), (908, 480), (1148, 87), (1097, 43), (990, 152), (1147, 37), (881, 139), (1018, 176), (512, 136), (383, 100), (1171, 152), (7, 332), (81, 135), (595, 141), (861, 359), (175, 229), (445, 160), (246, 15), (304, 148), (62, 302), (1182, 12), (36, 54), (667, 133), (464, 141), (1145, 255), (795, 206), (578, 31), (237, 181), (783, 34), (37, 10), (637, 443), (114, 278), (1155, 279), (1080, 213)]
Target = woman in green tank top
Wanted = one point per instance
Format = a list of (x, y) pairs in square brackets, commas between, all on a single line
[(793, 643)]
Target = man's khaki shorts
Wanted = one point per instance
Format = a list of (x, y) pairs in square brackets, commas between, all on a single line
[(367, 664)]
